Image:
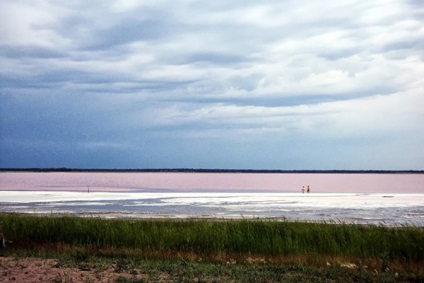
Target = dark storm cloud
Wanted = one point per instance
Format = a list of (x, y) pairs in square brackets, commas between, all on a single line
[(139, 84)]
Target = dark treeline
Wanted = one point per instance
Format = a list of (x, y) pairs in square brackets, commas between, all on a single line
[(194, 170)]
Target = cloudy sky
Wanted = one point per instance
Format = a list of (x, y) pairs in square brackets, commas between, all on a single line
[(212, 84)]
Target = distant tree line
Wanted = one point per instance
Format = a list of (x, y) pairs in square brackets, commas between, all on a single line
[(194, 170)]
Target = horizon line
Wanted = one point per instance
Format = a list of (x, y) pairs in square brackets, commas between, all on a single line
[(203, 170)]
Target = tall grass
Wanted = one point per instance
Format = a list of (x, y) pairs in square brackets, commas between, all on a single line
[(210, 236)]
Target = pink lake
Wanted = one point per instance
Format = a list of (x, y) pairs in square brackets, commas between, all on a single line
[(279, 182)]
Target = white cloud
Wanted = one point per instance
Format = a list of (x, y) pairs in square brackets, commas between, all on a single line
[(24, 23)]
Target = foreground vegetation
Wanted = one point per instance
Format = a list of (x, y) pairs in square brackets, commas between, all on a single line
[(230, 250), (218, 236)]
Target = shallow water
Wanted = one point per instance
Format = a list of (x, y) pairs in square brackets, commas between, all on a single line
[(284, 182)]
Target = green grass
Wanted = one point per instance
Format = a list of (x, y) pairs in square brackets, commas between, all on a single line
[(210, 236)]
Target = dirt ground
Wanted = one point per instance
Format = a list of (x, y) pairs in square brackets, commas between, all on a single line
[(28, 270)]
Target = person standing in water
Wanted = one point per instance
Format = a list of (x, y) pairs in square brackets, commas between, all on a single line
[(308, 190), (303, 189)]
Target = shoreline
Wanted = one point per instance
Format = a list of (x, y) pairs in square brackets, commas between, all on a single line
[(106, 216)]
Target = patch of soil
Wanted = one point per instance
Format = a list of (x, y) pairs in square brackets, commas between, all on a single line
[(30, 270)]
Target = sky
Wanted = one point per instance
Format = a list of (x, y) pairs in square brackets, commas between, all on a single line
[(287, 85)]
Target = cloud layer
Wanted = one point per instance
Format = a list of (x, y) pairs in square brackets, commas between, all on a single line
[(226, 84)]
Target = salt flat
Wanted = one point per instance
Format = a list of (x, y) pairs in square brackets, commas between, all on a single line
[(387, 209)]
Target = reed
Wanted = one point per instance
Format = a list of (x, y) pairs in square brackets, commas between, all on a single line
[(218, 236)]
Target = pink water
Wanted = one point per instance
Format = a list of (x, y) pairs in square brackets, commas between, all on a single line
[(287, 182)]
